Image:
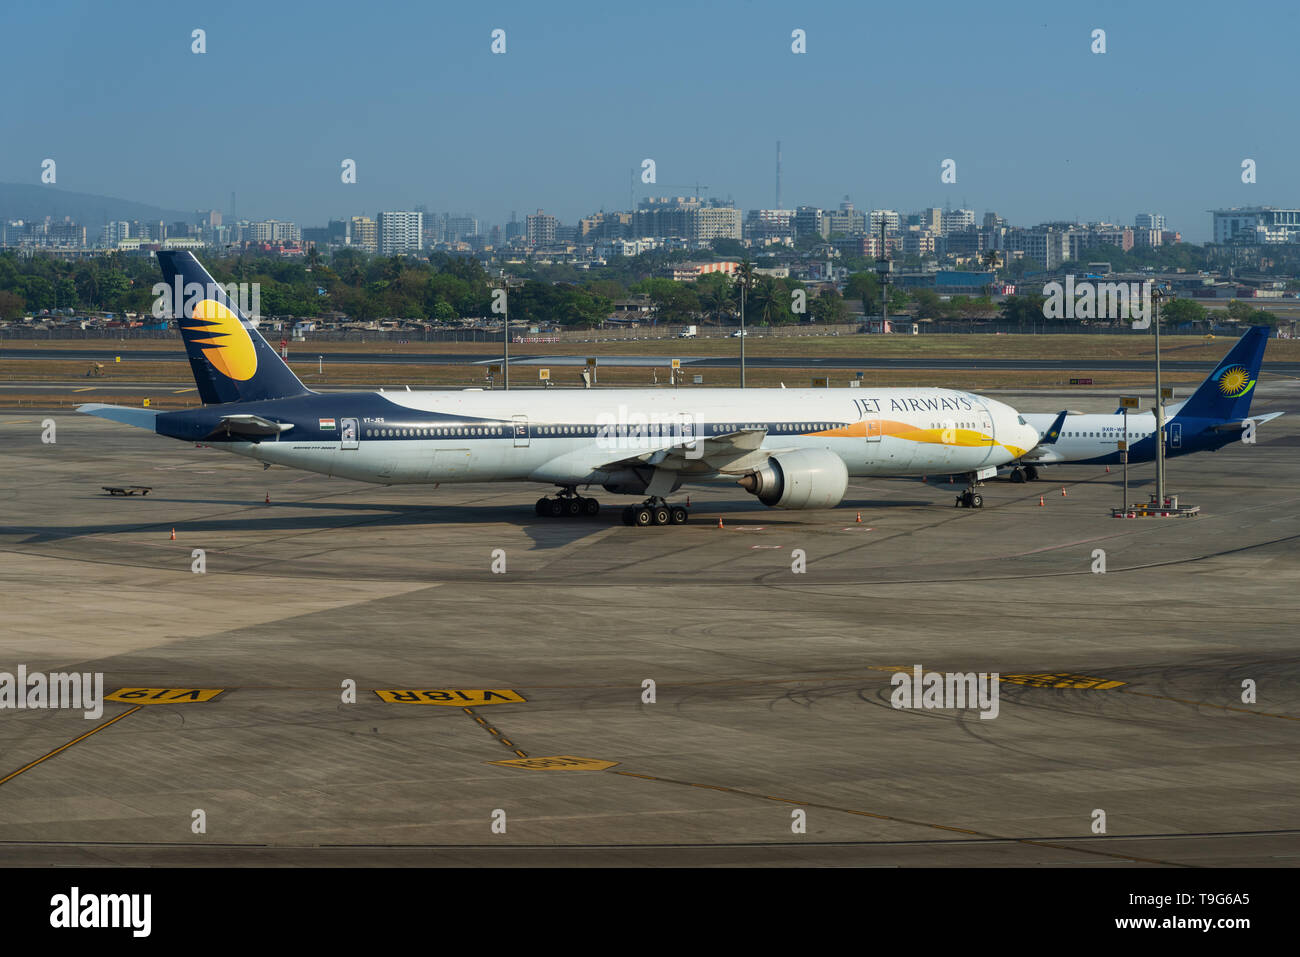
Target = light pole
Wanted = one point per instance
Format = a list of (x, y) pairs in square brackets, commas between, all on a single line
[(746, 275), (1156, 296)]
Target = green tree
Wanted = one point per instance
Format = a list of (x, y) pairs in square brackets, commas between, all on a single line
[(1178, 311), (12, 305)]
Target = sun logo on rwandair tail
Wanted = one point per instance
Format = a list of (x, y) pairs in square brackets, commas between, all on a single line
[(225, 341), (1235, 381)]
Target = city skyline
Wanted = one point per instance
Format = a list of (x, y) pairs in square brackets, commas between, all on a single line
[(1040, 128)]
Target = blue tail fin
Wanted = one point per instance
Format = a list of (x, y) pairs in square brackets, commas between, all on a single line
[(1227, 391), (230, 359)]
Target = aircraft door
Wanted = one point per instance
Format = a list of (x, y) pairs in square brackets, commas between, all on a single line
[(1176, 435), (349, 435), (521, 431), (872, 423)]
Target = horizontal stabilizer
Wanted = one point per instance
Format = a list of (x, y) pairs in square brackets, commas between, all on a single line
[(247, 424), (1239, 424), (140, 418)]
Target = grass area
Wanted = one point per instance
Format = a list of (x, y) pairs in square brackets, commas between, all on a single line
[(168, 386), (977, 346)]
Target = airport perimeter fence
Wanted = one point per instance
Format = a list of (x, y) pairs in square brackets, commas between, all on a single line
[(22, 332)]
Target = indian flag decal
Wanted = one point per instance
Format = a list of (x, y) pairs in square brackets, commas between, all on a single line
[(326, 424)]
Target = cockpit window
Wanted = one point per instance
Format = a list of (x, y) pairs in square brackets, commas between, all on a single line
[(1021, 420)]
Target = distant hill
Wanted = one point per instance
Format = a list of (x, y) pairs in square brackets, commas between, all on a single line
[(28, 201)]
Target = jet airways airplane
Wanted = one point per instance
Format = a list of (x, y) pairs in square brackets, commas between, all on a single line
[(792, 448), (1215, 415)]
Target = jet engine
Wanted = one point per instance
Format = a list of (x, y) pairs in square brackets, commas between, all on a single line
[(805, 478)]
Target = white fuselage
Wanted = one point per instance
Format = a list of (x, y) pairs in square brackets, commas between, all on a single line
[(573, 436)]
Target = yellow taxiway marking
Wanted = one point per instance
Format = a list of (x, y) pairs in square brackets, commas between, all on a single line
[(80, 737), (183, 391), (1063, 680), (494, 732), (557, 762), (452, 697), (163, 695), (89, 388)]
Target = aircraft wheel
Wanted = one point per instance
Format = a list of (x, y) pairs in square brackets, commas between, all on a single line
[(590, 506), (662, 516), (543, 506), (642, 516), (1031, 473), (554, 508), (1017, 476), (976, 500), (573, 507), (680, 515)]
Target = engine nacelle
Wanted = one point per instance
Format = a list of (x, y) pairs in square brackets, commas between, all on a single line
[(805, 478)]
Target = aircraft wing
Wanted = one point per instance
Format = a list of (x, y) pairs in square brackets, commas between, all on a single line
[(1238, 425), (736, 451)]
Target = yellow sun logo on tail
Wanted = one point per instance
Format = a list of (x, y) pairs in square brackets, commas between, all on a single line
[(225, 341), (1234, 381)]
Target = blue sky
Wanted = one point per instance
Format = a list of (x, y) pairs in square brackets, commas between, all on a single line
[(1039, 126)]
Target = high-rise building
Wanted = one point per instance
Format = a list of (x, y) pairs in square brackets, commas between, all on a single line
[(1149, 221), (956, 220), (932, 219), (363, 233), (540, 228), (708, 223), (400, 232), (846, 221), (887, 216), (762, 225), (461, 228), (1256, 224), (811, 221)]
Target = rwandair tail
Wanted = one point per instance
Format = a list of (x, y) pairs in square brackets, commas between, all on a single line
[(1226, 392), (230, 359)]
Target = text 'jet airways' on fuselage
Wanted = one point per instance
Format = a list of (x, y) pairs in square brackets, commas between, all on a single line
[(792, 448), (1215, 415)]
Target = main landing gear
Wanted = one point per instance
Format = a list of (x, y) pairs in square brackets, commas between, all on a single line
[(1027, 474), (567, 503), (655, 511)]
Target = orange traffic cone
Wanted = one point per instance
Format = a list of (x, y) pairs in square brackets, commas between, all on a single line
[(720, 525), (1063, 491), (173, 538), (268, 498), (1107, 469), (859, 518), (688, 501), (949, 479), (922, 478), (1041, 503)]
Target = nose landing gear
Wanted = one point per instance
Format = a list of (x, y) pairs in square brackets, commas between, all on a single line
[(970, 498)]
